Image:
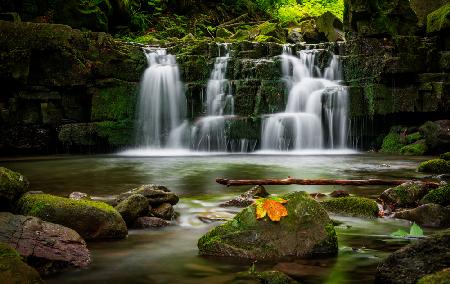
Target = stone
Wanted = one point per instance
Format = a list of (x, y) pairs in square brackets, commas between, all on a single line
[(48, 247), (440, 277), (164, 211), (437, 135), (410, 263), (331, 26), (92, 220), (132, 207), (352, 206), (339, 193), (12, 186), (156, 194), (13, 270), (440, 195), (246, 198), (407, 194), (220, 216), (150, 222), (306, 231), (78, 195), (428, 215)]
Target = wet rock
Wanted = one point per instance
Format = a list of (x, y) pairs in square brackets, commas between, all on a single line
[(266, 277), (410, 263), (91, 219), (246, 198), (440, 195), (164, 211), (150, 222), (440, 277), (78, 195), (132, 207), (352, 206), (339, 193), (48, 247), (156, 194), (407, 194), (13, 270), (12, 186), (247, 237), (428, 215)]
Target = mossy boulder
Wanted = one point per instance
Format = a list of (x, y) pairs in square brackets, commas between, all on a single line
[(439, 20), (428, 215), (440, 195), (223, 33), (132, 207), (440, 277), (156, 194), (12, 186), (435, 166), (352, 206), (13, 270), (413, 137), (306, 231), (392, 143), (92, 220), (331, 26), (436, 135), (445, 156), (407, 194), (416, 149)]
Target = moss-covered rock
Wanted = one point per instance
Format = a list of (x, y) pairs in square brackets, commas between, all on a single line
[(439, 20), (156, 194), (352, 206), (435, 166), (12, 186), (132, 207), (405, 195), (436, 135), (416, 149), (440, 195), (413, 137), (13, 270), (247, 237), (440, 277), (91, 219), (223, 33), (392, 143), (428, 215), (445, 156)]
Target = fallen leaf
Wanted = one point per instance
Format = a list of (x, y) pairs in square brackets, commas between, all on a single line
[(272, 207)]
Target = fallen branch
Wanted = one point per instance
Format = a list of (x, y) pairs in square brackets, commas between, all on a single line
[(289, 181)]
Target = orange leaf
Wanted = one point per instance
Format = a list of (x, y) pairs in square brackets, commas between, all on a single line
[(275, 210), (260, 212)]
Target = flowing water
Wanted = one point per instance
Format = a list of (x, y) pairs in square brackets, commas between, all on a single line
[(170, 255), (316, 112)]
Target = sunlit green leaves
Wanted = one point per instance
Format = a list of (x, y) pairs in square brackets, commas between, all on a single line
[(414, 232)]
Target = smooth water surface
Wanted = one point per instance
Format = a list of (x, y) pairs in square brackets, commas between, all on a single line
[(170, 255)]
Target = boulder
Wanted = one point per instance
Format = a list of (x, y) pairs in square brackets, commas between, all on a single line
[(440, 195), (437, 135), (439, 20), (339, 193), (150, 222), (156, 194), (445, 156), (91, 219), (164, 211), (410, 263), (440, 277), (246, 198), (132, 207), (12, 186), (48, 247), (306, 230), (428, 215), (435, 166), (331, 26), (352, 206), (13, 270), (407, 194)]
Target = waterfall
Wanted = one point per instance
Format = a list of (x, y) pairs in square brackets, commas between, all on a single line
[(161, 105), (316, 111)]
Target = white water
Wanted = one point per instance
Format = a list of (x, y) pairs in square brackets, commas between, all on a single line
[(316, 110)]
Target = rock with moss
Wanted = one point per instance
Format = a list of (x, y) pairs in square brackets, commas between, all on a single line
[(132, 207), (413, 137), (92, 220), (392, 143), (440, 195), (223, 33), (412, 262), (436, 135), (247, 198), (331, 26), (418, 148), (248, 237), (439, 20), (156, 194), (445, 156), (12, 186), (407, 194), (265, 277), (440, 277), (48, 247), (428, 215), (435, 166), (13, 270), (352, 206)]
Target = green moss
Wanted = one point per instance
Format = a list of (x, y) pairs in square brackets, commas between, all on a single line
[(12, 186), (84, 134), (117, 133), (416, 149), (411, 138), (352, 206), (7, 251), (440, 277), (223, 33), (439, 20), (392, 143), (14, 270), (440, 195), (435, 166), (445, 156)]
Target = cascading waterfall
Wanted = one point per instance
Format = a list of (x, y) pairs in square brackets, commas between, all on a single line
[(162, 105), (316, 110)]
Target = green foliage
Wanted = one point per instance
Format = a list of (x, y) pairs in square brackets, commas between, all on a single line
[(392, 143), (411, 138), (445, 156), (435, 166), (414, 232), (416, 149), (440, 277), (439, 20)]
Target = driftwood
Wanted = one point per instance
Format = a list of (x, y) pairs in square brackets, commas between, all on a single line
[(289, 181)]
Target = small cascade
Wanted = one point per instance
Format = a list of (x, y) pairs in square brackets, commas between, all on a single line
[(316, 110), (161, 105)]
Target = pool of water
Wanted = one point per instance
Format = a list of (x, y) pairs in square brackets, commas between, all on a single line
[(170, 255)]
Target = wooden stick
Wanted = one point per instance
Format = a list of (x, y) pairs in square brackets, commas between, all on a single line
[(289, 181)]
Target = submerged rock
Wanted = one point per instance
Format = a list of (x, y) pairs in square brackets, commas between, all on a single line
[(407, 194), (48, 247), (266, 277), (13, 270), (150, 222), (410, 263), (428, 215), (156, 194), (164, 211), (352, 206), (91, 219), (440, 195), (307, 230), (132, 207), (246, 198), (12, 186)]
